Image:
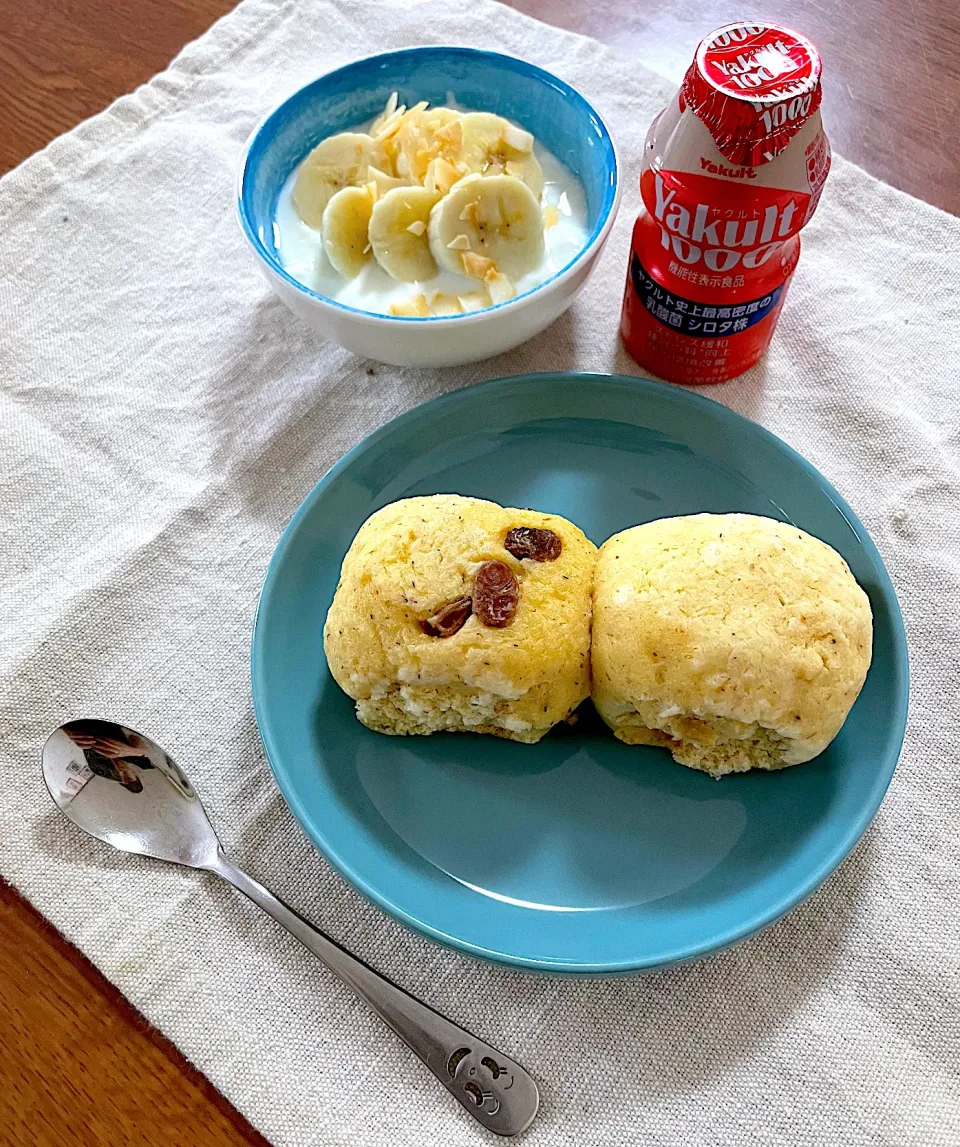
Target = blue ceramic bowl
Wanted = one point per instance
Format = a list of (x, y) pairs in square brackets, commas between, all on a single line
[(579, 854), (560, 119)]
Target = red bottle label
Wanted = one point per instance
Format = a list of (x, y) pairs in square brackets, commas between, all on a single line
[(686, 316), (721, 228), (710, 265), (694, 337)]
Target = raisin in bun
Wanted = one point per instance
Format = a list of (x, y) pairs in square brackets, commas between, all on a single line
[(734, 641), (456, 614)]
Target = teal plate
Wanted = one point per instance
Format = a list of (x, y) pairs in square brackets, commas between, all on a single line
[(578, 854)]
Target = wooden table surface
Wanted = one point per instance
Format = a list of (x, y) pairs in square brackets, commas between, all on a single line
[(77, 1064)]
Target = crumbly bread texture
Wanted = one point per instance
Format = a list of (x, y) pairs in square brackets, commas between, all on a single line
[(735, 641), (415, 556)]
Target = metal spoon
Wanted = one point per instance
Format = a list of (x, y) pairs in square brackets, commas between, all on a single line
[(122, 788)]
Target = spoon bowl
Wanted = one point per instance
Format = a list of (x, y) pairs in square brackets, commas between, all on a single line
[(122, 788)]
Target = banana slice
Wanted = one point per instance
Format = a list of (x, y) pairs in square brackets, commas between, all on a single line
[(398, 233), (346, 222), (343, 160), (492, 145), (487, 223)]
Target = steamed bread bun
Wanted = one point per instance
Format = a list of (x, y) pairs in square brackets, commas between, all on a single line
[(456, 614), (735, 641)]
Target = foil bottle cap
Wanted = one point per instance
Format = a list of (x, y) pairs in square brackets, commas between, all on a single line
[(753, 85)]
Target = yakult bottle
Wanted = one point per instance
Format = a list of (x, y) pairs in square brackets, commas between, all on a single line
[(732, 170)]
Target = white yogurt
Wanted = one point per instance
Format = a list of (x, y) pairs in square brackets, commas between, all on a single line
[(301, 249)]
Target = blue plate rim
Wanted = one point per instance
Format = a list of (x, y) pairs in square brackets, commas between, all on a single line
[(848, 841)]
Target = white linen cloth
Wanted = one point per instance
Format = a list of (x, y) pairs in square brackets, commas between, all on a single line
[(161, 417)]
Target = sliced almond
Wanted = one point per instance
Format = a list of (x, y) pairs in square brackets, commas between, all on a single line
[(450, 133), (445, 175), (446, 304), (474, 301), (469, 213), (499, 286), (389, 111), (383, 181), (440, 176), (459, 243), (415, 308), (390, 124), (391, 149), (477, 266), (417, 227), (551, 217)]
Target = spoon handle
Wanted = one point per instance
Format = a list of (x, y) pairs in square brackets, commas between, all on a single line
[(493, 1088)]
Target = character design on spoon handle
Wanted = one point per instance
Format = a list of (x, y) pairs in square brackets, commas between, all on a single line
[(496, 1091)]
